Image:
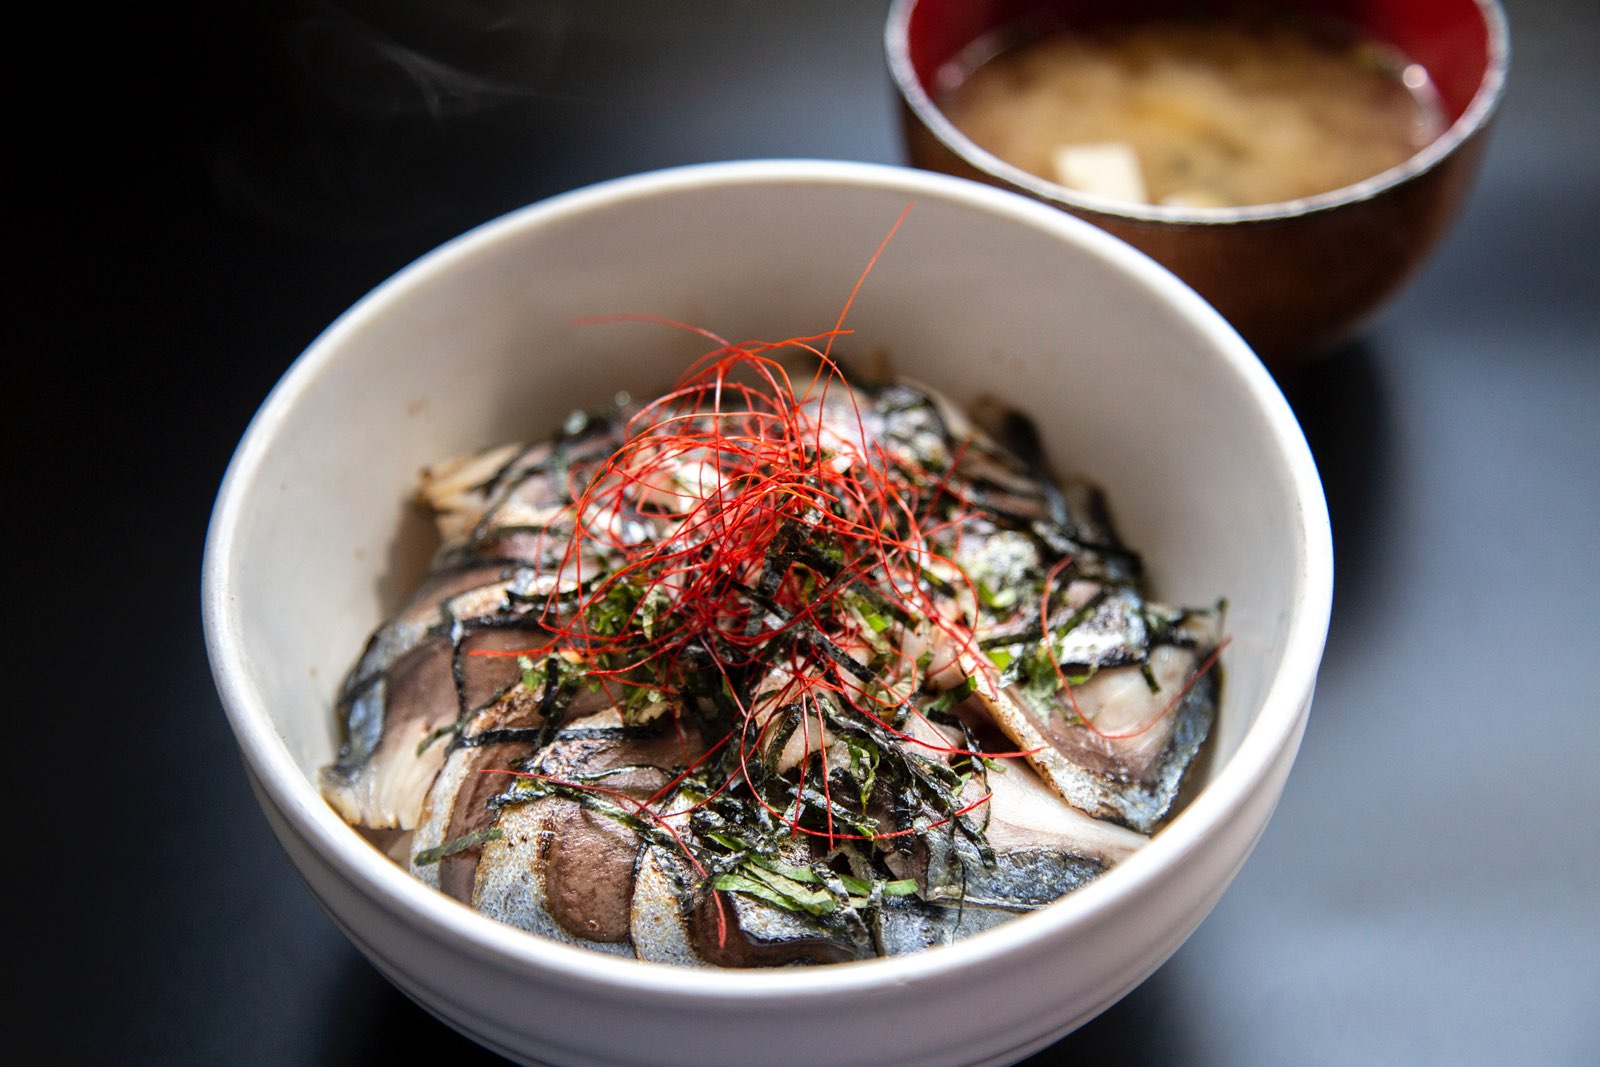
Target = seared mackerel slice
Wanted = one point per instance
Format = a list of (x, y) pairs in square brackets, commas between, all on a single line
[(500, 557), (1116, 700)]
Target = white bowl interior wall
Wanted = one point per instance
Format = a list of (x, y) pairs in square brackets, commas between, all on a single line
[(1133, 381)]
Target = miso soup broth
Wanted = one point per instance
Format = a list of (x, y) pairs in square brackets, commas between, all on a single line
[(1197, 114)]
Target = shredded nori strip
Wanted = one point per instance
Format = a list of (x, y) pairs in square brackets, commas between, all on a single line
[(430, 856)]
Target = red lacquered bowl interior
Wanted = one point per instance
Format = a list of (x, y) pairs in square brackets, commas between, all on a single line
[(1449, 38)]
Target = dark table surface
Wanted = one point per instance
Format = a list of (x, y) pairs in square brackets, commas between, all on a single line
[(199, 191)]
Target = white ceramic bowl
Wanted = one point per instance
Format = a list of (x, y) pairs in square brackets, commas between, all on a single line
[(1133, 380)]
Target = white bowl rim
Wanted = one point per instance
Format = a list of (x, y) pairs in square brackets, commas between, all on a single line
[(387, 884), (1479, 110)]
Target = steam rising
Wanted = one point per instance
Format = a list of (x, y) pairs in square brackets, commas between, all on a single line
[(434, 59), (360, 113)]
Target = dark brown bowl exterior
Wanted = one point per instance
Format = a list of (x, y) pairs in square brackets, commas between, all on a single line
[(1293, 286), (1295, 279)]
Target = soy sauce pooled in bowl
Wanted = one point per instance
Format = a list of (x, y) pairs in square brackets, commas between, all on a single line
[(1203, 114)]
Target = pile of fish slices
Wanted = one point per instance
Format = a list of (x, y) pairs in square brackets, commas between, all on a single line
[(569, 852)]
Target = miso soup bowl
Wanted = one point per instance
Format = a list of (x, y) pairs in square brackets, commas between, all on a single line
[(1132, 379), (1298, 277)]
